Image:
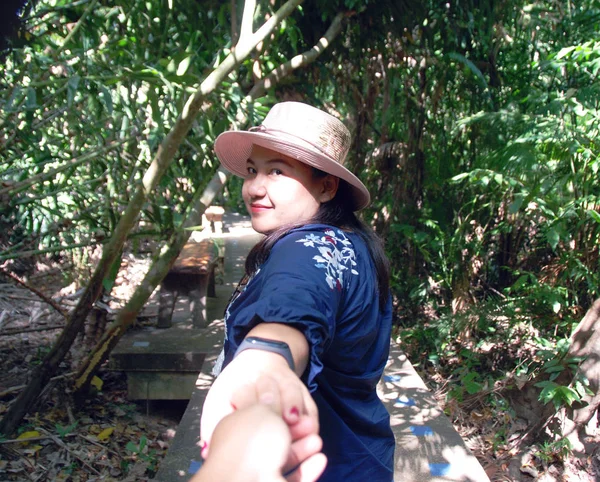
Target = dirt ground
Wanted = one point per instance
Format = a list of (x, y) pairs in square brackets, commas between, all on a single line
[(108, 437)]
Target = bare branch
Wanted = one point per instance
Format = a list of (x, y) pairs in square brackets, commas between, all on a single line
[(37, 292), (247, 20), (299, 60)]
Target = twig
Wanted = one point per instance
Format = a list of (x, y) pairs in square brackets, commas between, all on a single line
[(29, 330), (22, 298), (3, 316), (19, 281), (16, 388), (60, 443), (100, 445), (32, 439)]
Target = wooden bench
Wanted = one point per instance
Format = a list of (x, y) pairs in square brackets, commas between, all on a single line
[(193, 276), (428, 448)]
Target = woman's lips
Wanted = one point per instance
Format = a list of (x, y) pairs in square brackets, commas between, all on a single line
[(259, 208)]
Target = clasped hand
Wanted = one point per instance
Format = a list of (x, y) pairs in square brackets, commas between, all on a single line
[(260, 419)]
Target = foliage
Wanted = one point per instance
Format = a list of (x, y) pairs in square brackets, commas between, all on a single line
[(475, 128), (84, 112)]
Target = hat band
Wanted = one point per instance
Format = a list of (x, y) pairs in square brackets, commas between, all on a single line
[(268, 130)]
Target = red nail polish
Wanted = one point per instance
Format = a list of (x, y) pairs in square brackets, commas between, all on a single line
[(203, 449), (295, 412)]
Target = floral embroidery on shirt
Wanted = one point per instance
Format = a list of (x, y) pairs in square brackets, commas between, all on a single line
[(336, 255)]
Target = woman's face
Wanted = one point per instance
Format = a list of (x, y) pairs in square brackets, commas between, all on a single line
[(279, 190)]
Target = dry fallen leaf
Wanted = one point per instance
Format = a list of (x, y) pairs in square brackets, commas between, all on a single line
[(27, 435), (105, 434)]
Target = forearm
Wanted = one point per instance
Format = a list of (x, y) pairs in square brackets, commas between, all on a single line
[(293, 337)]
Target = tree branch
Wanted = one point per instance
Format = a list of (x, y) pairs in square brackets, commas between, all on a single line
[(299, 60), (247, 20), (37, 292)]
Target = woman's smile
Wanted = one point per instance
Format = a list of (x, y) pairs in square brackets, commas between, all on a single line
[(259, 208)]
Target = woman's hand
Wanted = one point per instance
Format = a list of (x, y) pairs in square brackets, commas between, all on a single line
[(256, 376), (254, 444)]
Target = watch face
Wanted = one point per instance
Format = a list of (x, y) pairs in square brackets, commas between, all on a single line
[(275, 343)]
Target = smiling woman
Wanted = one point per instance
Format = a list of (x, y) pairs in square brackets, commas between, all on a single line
[(309, 326), (280, 190)]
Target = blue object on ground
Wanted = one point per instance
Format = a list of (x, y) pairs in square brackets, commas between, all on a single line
[(421, 431), (404, 401), (194, 466), (439, 470)]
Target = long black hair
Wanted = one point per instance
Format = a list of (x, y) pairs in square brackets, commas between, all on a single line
[(336, 212)]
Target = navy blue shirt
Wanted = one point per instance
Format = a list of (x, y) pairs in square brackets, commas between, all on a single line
[(322, 281)]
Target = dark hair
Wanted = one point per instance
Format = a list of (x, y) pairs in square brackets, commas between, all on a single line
[(338, 213)]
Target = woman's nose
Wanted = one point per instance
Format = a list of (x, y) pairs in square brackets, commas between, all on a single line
[(256, 186)]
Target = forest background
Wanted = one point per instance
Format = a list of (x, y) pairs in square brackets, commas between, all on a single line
[(475, 128)]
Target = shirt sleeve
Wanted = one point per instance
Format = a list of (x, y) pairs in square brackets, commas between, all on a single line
[(302, 284)]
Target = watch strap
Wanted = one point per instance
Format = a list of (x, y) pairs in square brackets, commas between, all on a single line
[(264, 344)]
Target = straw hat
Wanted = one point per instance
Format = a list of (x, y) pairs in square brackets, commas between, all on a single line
[(302, 132)]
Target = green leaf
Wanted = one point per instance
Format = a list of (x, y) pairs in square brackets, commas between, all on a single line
[(64, 431), (72, 89), (553, 237), (472, 67), (567, 395), (473, 387), (16, 93), (548, 392), (107, 99), (556, 305), (516, 204), (109, 281), (132, 447), (553, 369), (459, 177), (594, 215), (184, 65), (31, 102), (564, 52)]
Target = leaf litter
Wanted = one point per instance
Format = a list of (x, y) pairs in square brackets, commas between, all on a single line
[(108, 437)]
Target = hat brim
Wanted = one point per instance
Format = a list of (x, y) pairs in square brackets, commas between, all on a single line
[(233, 148)]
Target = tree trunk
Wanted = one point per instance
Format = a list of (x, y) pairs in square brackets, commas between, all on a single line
[(156, 273), (585, 344), (157, 168)]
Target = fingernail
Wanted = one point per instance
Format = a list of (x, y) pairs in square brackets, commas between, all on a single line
[(203, 449), (267, 398), (294, 412)]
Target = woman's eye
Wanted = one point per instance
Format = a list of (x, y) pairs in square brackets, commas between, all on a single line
[(277, 172), (251, 170)]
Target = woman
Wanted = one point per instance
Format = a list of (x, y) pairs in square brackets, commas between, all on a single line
[(313, 314)]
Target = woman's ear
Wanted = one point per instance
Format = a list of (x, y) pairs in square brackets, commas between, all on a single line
[(329, 187)]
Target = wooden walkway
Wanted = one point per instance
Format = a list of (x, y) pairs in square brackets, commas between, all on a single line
[(428, 448)]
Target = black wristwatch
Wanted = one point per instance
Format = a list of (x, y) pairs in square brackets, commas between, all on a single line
[(274, 346)]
